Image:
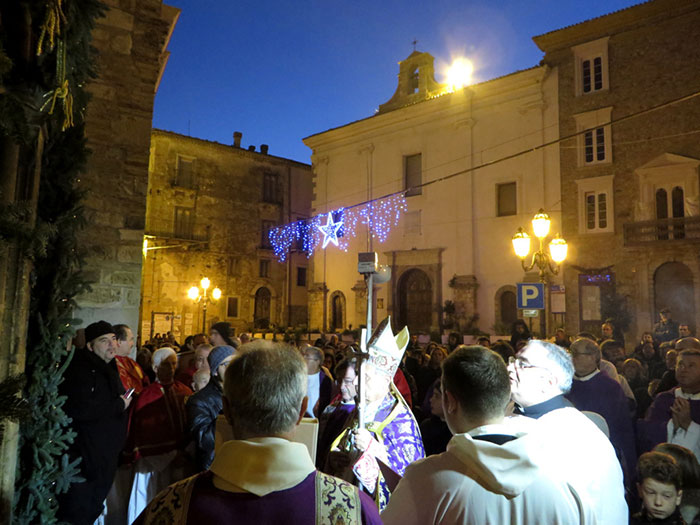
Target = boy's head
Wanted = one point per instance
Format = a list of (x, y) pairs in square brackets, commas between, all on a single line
[(659, 484)]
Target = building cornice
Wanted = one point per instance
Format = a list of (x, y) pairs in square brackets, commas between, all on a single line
[(457, 105), (616, 22), (256, 155)]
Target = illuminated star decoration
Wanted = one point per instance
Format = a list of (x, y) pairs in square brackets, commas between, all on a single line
[(330, 230), (378, 216)]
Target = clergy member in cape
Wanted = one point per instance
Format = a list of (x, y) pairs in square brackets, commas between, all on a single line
[(261, 476), (158, 434), (390, 436)]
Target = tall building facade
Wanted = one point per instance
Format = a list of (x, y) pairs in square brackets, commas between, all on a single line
[(450, 255), (629, 169), (210, 207)]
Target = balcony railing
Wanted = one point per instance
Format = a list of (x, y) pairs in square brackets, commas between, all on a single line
[(182, 231), (662, 230)]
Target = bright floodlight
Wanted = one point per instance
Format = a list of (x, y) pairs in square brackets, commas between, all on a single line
[(521, 243), (540, 224), (460, 73), (145, 246), (558, 249), (193, 293), (216, 294), (205, 283)]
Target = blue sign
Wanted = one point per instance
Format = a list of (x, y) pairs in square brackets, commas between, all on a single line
[(530, 296)]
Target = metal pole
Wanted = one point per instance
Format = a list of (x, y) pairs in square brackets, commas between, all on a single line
[(204, 314), (370, 304)]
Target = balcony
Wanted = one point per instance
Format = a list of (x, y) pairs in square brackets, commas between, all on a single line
[(680, 229), (183, 230)]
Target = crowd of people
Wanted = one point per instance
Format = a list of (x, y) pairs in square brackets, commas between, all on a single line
[(575, 429)]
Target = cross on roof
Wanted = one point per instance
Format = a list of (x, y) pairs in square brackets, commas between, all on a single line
[(415, 41)]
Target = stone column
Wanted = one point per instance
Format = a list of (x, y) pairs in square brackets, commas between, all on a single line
[(316, 294)]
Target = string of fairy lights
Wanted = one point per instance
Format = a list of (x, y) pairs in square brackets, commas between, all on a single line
[(341, 225)]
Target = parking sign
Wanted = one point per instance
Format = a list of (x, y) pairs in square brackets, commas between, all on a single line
[(530, 296)]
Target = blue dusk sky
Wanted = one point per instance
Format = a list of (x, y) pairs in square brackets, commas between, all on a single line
[(279, 71)]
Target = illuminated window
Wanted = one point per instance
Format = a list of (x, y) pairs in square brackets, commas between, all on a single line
[(413, 176)]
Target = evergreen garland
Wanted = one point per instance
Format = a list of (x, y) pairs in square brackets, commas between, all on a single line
[(25, 85)]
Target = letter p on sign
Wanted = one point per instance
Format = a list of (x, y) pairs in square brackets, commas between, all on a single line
[(530, 296)]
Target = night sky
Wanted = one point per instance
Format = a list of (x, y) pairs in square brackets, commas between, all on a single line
[(279, 71)]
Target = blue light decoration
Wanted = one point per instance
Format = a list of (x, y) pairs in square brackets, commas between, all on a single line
[(338, 226), (330, 230)]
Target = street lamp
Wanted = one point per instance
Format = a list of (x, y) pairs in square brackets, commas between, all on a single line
[(545, 262), (197, 296)]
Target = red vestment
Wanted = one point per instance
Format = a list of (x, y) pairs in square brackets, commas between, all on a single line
[(159, 420), (131, 374)]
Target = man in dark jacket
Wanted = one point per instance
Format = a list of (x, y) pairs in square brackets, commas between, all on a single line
[(97, 406), (205, 406)]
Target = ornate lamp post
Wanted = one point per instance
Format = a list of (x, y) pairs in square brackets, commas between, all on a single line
[(197, 296), (545, 262)]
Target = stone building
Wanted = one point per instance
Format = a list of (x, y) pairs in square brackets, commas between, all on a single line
[(131, 40), (630, 185), (452, 247), (210, 207)]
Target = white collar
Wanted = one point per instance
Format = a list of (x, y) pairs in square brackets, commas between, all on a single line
[(260, 465), (678, 392), (588, 377)]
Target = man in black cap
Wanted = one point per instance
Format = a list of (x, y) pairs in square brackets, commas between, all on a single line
[(666, 329), (97, 405), (221, 334)]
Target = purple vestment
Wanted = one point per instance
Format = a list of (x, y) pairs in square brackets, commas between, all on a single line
[(605, 396), (652, 430), (208, 504)]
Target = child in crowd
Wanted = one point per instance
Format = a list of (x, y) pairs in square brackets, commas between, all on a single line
[(660, 489)]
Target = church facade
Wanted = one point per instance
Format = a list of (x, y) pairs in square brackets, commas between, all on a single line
[(451, 258)]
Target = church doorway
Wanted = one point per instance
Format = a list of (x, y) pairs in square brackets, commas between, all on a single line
[(337, 320), (415, 301), (262, 308), (674, 289)]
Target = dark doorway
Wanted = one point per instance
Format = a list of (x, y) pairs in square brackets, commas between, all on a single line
[(262, 308), (337, 311), (509, 308), (415, 301), (673, 288)]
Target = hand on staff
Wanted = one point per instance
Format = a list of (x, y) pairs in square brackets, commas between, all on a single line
[(680, 413), (362, 439)]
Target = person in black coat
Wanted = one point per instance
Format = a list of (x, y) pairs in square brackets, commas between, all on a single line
[(96, 403), (205, 406)]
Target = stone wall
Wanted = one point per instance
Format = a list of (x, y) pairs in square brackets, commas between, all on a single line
[(224, 200), (131, 41)]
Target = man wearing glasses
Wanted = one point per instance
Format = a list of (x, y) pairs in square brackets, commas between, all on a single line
[(540, 375)]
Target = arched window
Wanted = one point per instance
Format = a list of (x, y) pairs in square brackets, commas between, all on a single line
[(262, 308)]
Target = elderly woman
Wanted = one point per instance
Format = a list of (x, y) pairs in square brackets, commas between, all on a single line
[(158, 433)]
